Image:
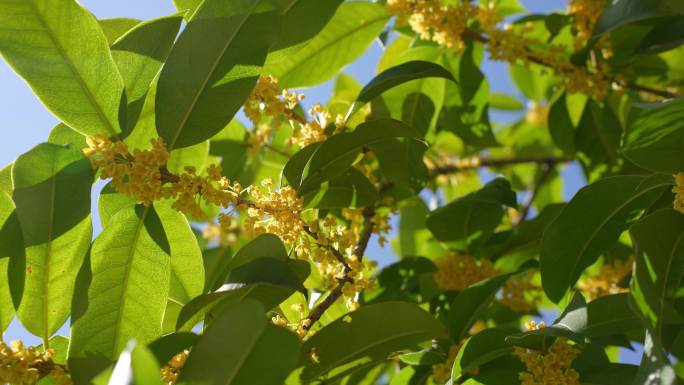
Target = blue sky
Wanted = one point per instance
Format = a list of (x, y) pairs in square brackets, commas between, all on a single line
[(27, 123)]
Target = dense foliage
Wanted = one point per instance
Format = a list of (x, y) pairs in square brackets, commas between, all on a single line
[(236, 223)]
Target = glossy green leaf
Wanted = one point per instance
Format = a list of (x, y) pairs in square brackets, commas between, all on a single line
[(590, 224), (335, 155), (469, 305), (127, 293), (265, 245), (659, 239), (76, 79), (655, 140), (397, 75), (348, 35), (629, 11), (195, 311), (351, 189), (597, 136), (310, 17), (164, 348), (481, 348), (470, 220), (242, 347), (366, 336), (205, 81), (52, 196), (139, 54), (560, 125), (466, 111), (610, 315)]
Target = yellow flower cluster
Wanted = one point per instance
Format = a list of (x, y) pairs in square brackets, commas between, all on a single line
[(607, 280), (679, 192), (137, 174), (442, 371), (273, 211), (553, 367), (447, 24), (21, 365), (457, 271), (172, 369), (520, 293), (268, 99), (433, 20), (586, 13)]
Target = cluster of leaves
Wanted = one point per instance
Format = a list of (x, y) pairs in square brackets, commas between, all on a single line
[(150, 287)]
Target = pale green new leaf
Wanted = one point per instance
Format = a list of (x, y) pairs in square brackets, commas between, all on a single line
[(60, 50), (116, 27), (52, 195), (128, 291), (212, 68), (348, 35)]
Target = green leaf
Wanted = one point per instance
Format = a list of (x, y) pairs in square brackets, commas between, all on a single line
[(187, 7), (501, 101), (195, 311), (400, 74), (164, 348), (481, 348), (139, 54), (65, 136), (116, 27), (560, 125), (629, 11), (265, 245), (659, 240), (597, 136), (469, 305), (610, 315), (77, 79), (136, 366), (205, 81), (466, 111), (187, 265), (348, 35), (310, 17), (336, 154), (52, 196), (655, 140), (194, 156), (242, 347), (590, 224), (352, 189), (470, 220), (127, 294), (365, 336), (529, 80)]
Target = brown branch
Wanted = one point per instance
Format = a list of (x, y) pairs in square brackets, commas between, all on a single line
[(334, 294), (495, 163), (469, 33)]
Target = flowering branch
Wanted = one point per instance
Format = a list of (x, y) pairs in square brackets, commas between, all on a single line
[(473, 35), (334, 294)]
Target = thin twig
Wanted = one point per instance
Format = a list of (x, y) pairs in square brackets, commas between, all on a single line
[(494, 162), (334, 294)]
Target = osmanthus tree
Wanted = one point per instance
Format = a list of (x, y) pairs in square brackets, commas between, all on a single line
[(234, 251)]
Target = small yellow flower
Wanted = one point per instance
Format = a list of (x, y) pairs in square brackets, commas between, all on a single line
[(172, 369), (457, 272)]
